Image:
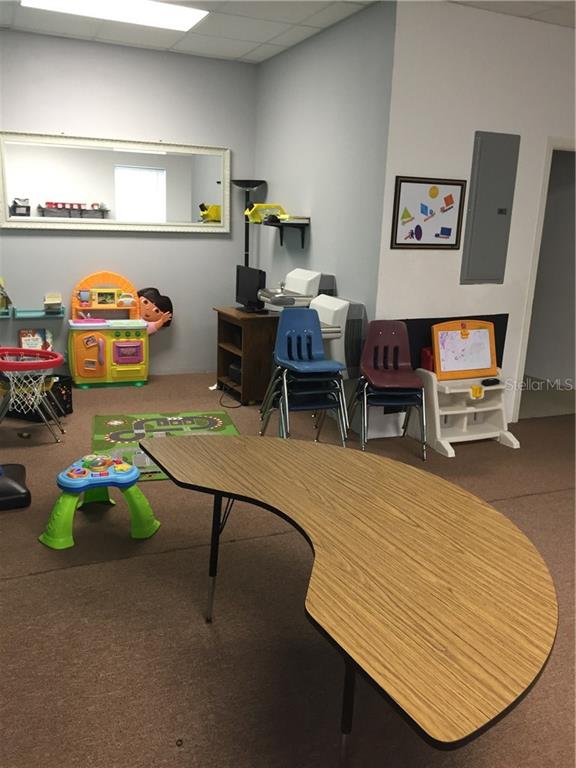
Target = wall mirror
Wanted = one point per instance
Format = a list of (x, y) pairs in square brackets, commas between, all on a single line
[(65, 182)]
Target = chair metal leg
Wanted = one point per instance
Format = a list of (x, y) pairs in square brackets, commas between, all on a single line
[(423, 430), (364, 429), (406, 420), (286, 402), (282, 431), (264, 421), (343, 403), (270, 391), (341, 426)]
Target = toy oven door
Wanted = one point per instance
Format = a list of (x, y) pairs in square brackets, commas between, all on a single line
[(127, 352)]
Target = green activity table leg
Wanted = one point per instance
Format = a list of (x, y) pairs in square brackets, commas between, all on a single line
[(143, 524), (58, 533)]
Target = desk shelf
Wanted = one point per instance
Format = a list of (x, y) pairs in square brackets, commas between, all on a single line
[(245, 339), (232, 348)]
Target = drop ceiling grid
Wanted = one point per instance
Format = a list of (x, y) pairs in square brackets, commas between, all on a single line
[(243, 30)]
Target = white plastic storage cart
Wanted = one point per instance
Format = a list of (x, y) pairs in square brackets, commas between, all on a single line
[(460, 410)]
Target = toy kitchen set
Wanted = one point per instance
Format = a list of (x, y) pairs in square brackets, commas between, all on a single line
[(107, 341)]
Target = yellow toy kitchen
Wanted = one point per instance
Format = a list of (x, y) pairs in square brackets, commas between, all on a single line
[(108, 340)]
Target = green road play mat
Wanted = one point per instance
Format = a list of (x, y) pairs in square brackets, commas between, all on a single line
[(118, 434)]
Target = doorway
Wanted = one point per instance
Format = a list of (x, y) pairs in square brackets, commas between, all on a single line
[(548, 386)]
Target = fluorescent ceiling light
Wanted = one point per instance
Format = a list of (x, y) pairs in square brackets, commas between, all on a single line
[(146, 13)]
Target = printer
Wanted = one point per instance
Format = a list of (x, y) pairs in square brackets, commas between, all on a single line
[(343, 322), (298, 289)]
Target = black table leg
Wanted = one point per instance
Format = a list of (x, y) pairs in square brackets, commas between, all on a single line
[(347, 708), (214, 543)]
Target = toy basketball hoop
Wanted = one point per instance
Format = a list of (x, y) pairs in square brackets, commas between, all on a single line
[(24, 372)]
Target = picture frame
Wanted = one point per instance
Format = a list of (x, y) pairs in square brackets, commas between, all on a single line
[(427, 213)]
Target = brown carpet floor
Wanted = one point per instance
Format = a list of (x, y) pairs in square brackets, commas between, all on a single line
[(106, 661)]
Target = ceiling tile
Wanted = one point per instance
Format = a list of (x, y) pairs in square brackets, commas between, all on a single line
[(510, 7), (219, 47), (263, 52), (561, 12), (333, 13), (295, 35), (556, 15), (55, 23), (202, 5), (133, 34), (290, 12), (239, 28), (7, 11)]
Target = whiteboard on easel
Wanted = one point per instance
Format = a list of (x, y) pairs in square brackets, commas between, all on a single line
[(464, 349)]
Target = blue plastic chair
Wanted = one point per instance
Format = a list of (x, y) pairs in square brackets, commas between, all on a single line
[(303, 378)]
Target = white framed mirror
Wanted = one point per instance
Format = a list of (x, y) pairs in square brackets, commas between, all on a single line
[(71, 182)]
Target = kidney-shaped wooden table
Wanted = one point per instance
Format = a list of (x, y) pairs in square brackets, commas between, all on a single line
[(435, 595)]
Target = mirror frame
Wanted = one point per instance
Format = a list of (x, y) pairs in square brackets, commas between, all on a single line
[(90, 225)]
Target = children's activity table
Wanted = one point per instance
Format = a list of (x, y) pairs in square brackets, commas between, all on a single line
[(441, 600)]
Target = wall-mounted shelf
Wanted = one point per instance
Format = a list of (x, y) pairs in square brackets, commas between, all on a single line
[(300, 223), (73, 213), (35, 314)]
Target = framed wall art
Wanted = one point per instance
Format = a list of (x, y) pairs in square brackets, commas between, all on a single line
[(427, 213)]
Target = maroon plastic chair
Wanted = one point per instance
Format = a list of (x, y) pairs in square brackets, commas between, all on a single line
[(387, 378)]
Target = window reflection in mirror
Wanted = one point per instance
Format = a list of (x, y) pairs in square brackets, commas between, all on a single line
[(98, 184)]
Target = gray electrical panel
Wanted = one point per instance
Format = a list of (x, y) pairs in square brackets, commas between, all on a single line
[(490, 199)]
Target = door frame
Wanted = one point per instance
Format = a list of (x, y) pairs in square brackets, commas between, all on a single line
[(553, 143)]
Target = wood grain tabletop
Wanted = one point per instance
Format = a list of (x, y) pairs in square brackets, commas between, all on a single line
[(437, 596)]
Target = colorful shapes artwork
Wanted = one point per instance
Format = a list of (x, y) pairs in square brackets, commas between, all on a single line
[(428, 213), (406, 216), (415, 214), (414, 234), (448, 204)]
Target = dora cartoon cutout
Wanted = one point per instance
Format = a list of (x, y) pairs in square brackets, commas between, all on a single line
[(155, 309)]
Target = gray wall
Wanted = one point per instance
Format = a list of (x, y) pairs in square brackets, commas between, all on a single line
[(312, 121), (322, 127), (54, 85), (551, 341)]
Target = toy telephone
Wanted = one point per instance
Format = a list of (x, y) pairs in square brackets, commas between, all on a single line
[(257, 212)]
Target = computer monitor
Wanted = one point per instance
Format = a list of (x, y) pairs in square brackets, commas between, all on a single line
[(248, 282)]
